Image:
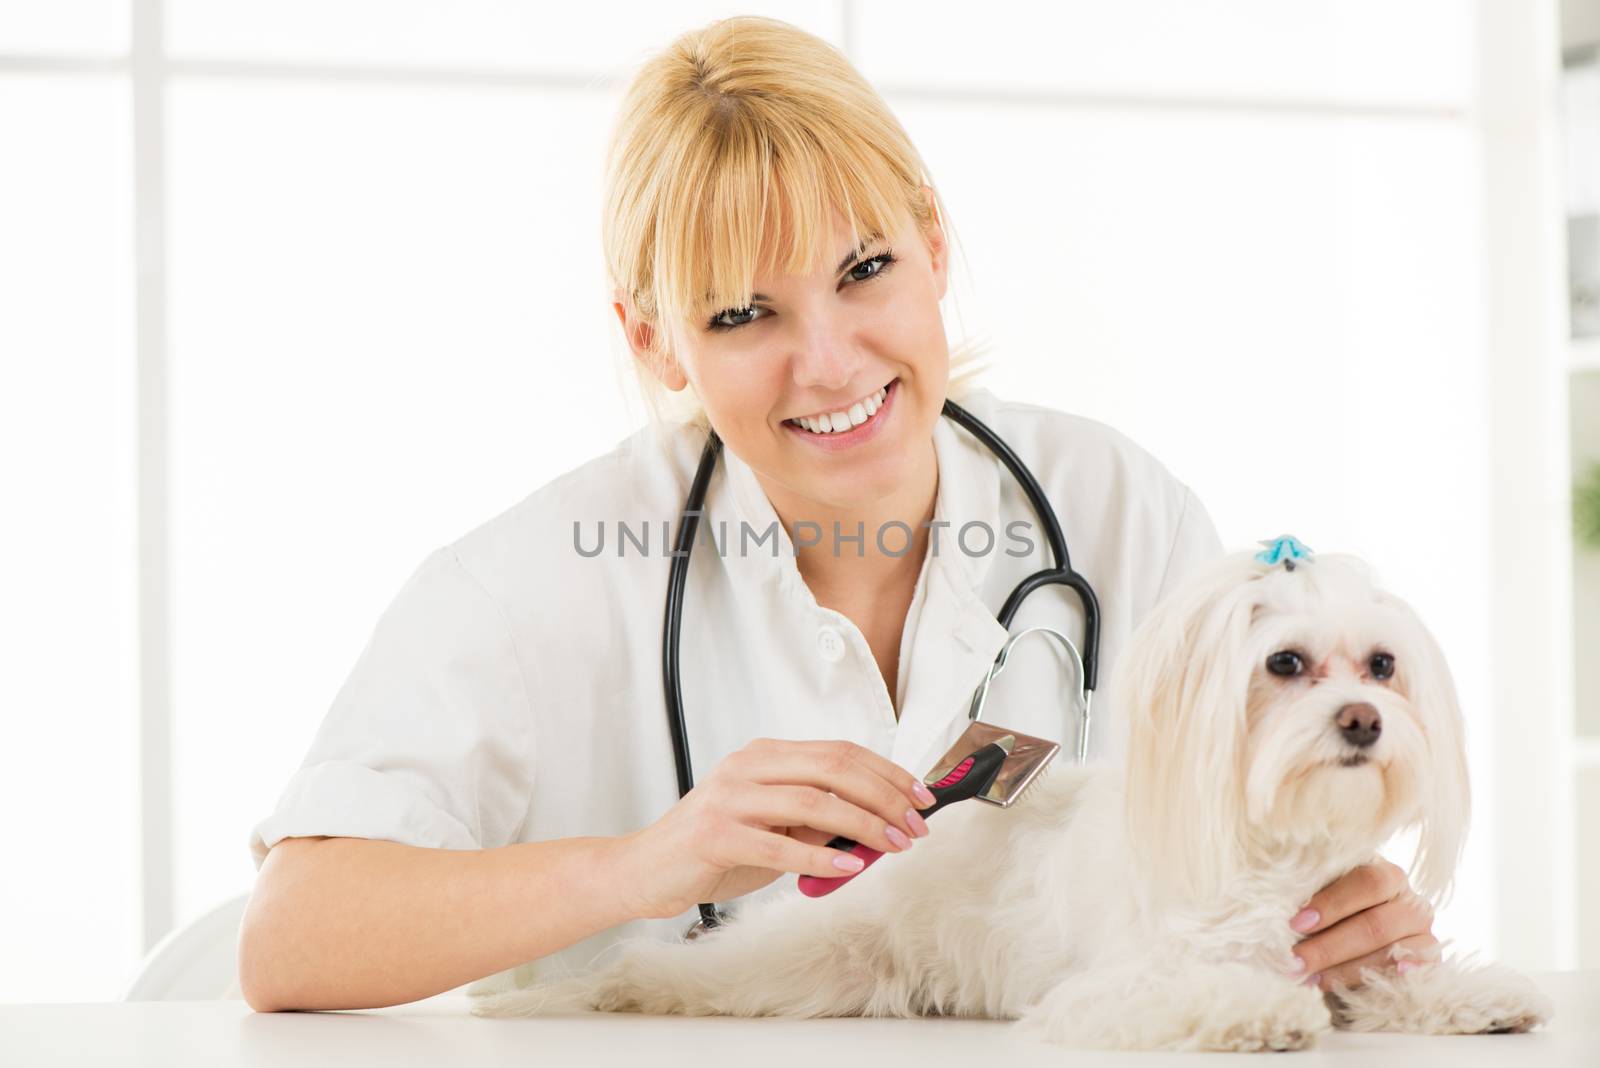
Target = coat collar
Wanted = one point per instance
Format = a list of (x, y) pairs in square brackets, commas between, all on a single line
[(968, 493), (956, 635)]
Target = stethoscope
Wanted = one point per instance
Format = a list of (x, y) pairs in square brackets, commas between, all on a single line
[(1086, 662)]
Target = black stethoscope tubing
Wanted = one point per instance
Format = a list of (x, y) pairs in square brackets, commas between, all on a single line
[(689, 523)]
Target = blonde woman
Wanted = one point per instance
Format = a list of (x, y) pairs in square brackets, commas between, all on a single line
[(494, 791)]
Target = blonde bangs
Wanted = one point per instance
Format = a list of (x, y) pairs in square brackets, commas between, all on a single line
[(734, 149), (767, 188)]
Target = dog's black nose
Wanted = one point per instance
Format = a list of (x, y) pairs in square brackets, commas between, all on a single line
[(1360, 724)]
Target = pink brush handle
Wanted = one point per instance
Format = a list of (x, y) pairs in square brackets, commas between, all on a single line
[(968, 779), (818, 885)]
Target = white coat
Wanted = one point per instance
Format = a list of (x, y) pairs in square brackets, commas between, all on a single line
[(512, 691)]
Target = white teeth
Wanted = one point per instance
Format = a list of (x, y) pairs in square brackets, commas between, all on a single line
[(854, 416)]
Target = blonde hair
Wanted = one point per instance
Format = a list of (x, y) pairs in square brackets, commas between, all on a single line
[(733, 124)]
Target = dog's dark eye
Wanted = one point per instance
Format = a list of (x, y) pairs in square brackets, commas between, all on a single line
[(1285, 662), (1381, 665)]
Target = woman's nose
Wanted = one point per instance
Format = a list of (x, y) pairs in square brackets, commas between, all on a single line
[(824, 358)]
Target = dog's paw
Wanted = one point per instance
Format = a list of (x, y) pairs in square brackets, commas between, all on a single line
[(644, 977), (657, 980), (1450, 997), (619, 988), (617, 993), (543, 999), (1228, 1008), (1289, 1021)]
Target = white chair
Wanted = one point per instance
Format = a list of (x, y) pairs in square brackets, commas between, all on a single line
[(199, 962)]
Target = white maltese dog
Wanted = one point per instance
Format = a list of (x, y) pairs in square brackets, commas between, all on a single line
[(1283, 722)]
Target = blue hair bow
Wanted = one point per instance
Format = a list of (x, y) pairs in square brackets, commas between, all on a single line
[(1285, 549)]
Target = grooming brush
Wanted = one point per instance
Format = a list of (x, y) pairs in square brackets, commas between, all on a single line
[(1028, 757), (971, 776)]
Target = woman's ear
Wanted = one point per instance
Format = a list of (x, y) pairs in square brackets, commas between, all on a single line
[(644, 342), (938, 246)]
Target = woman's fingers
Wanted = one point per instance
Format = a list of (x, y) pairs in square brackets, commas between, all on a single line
[(812, 807), (760, 848), (809, 835), (1355, 891), (1354, 921), (1369, 931), (1422, 947), (852, 772)]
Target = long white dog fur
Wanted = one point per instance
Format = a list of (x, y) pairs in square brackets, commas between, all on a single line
[(1144, 906)]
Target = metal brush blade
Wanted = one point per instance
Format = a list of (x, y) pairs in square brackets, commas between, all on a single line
[(1027, 758)]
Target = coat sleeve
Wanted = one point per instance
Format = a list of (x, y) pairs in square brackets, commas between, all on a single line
[(430, 740), (1195, 543)]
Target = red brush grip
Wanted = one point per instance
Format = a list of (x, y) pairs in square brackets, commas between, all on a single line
[(956, 775), (818, 885)]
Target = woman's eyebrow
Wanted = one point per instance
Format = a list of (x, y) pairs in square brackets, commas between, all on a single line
[(849, 258), (856, 253)]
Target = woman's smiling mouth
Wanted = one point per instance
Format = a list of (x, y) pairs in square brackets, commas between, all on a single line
[(850, 426)]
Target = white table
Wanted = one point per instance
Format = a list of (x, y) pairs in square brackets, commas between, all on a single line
[(438, 1031)]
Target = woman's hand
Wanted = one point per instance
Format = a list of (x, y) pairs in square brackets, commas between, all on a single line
[(765, 810), (1355, 920)]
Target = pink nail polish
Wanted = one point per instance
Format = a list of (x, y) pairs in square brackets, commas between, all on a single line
[(923, 795), (1312, 980), (918, 825), (1406, 966), (847, 862), (1305, 919), (1297, 964), (898, 837)]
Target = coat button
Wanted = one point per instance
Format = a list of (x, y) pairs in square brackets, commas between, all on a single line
[(830, 643)]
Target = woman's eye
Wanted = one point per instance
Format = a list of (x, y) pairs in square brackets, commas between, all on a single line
[(1381, 665), (879, 264), (877, 261), (1285, 663), (716, 320)]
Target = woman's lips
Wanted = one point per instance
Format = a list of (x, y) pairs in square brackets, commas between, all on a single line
[(856, 435)]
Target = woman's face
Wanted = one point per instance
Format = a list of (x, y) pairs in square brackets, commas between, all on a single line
[(857, 344)]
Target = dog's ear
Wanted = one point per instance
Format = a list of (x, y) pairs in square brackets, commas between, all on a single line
[(1183, 684), (1424, 677)]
